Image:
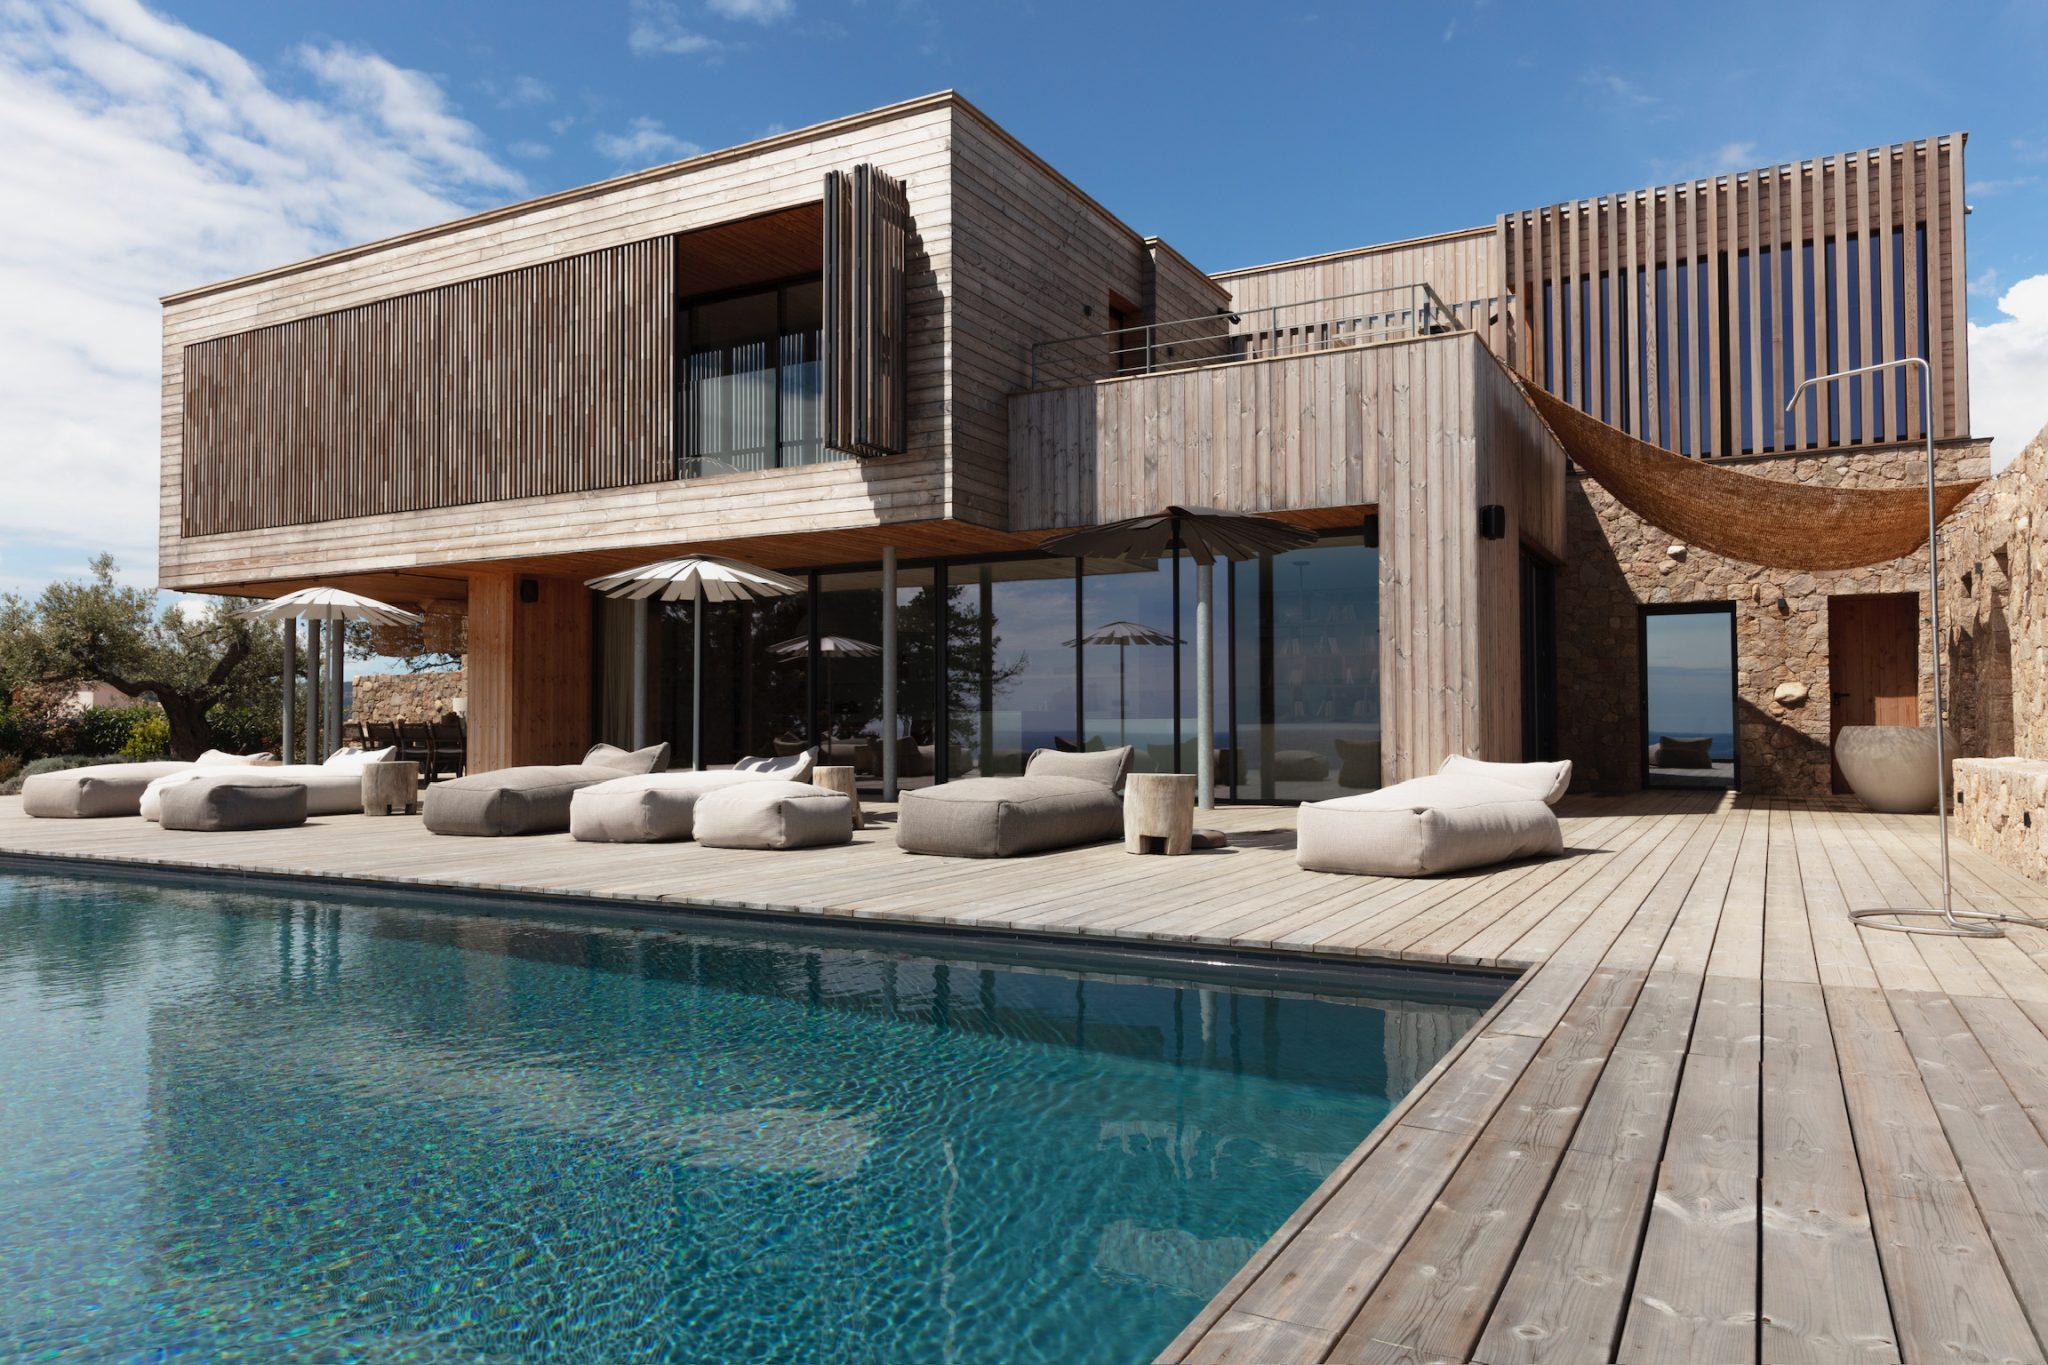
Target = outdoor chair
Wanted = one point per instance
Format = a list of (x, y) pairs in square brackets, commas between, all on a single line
[(1061, 800), (1468, 814), (448, 739), (529, 800), (416, 745)]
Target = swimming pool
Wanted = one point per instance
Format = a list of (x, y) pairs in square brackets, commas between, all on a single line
[(263, 1123)]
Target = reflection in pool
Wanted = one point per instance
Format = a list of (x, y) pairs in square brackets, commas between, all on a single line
[(262, 1123)]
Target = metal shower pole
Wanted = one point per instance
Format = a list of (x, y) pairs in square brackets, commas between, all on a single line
[(1970, 923)]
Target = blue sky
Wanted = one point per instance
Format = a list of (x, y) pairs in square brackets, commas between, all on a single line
[(153, 148)]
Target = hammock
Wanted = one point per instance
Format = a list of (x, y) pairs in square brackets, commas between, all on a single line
[(1768, 522)]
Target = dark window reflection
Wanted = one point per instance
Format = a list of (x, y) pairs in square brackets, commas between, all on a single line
[(755, 684), (1009, 663)]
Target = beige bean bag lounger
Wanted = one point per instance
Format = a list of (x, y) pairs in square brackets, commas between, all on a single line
[(531, 800), (110, 788), (1469, 814), (656, 808), (224, 801), (774, 814), (332, 788), (1061, 800)]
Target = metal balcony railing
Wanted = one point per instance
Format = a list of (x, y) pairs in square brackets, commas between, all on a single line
[(1391, 314)]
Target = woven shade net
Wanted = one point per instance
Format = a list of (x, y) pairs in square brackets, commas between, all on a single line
[(1769, 522)]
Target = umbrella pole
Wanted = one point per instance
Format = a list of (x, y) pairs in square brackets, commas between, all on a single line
[(697, 681), (289, 694), (889, 719), (333, 741), (1205, 690), (1121, 647), (315, 700)]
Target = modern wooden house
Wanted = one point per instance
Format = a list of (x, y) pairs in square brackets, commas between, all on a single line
[(903, 339)]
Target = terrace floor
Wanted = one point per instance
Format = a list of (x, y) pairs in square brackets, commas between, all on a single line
[(1712, 1120)]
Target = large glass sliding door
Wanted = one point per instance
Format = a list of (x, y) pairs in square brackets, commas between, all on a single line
[(850, 728), (1130, 636), (1306, 657), (1010, 663), (756, 677)]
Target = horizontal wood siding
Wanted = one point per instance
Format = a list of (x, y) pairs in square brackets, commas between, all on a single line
[(1035, 259), (910, 143), (556, 378), (1686, 314), (1463, 268)]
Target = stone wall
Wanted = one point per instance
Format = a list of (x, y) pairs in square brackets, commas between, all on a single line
[(1616, 562), (1994, 601), (2001, 807), (406, 696)]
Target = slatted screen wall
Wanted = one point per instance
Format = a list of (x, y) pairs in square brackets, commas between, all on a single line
[(1687, 314), (867, 233), (555, 378)]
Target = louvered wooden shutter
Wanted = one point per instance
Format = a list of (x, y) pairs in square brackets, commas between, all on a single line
[(867, 226)]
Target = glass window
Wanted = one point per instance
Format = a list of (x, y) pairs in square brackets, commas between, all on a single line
[(1010, 662), (849, 727), (1306, 647), (1129, 636), (756, 677), (755, 381)]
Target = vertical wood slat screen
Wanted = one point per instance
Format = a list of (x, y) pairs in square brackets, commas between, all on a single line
[(867, 234), (1686, 314), (554, 378)]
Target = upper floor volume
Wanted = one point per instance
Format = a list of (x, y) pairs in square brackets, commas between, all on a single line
[(904, 327)]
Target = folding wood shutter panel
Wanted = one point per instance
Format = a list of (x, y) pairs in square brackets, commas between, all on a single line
[(554, 378), (867, 229)]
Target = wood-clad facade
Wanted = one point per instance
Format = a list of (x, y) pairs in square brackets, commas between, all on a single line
[(484, 414)]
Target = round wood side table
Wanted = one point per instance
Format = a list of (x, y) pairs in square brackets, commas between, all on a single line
[(391, 788), (841, 780), (1159, 813)]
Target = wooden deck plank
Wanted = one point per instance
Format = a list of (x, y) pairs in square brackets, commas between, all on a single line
[(1713, 1119)]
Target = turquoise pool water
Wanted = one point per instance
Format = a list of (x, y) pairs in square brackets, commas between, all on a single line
[(256, 1126)]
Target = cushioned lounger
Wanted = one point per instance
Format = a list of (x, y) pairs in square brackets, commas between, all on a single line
[(1461, 817), (232, 801), (774, 814), (658, 808), (334, 787), (105, 789), (1062, 800), (533, 800)]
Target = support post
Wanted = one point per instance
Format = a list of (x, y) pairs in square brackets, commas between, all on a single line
[(890, 739), (640, 606), (288, 698), (316, 698), (1205, 688)]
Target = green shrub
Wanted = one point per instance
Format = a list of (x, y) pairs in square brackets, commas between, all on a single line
[(105, 729), (149, 740), (242, 729)]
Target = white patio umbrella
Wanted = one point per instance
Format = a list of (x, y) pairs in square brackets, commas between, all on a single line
[(693, 578), (329, 605)]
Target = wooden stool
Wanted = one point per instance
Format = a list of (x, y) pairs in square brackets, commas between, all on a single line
[(840, 780), (1159, 812), (391, 788)]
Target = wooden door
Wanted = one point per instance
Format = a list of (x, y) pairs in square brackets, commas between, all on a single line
[(1873, 663)]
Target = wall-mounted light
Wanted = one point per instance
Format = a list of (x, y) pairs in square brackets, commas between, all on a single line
[(1493, 522), (529, 590)]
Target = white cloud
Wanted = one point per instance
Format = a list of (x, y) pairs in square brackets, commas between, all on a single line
[(2009, 370), (1735, 156), (644, 143), (144, 157), (758, 11), (529, 150), (521, 92), (1618, 88), (657, 30)]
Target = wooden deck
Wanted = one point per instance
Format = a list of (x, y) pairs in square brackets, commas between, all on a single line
[(1712, 1120)]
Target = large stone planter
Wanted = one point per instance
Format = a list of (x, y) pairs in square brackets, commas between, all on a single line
[(1890, 767)]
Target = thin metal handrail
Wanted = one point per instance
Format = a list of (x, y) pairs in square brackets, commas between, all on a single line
[(1420, 310)]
